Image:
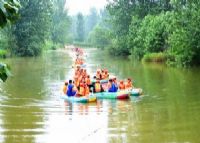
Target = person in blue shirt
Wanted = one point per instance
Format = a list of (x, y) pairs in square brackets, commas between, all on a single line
[(70, 87), (115, 84), (112, 87)]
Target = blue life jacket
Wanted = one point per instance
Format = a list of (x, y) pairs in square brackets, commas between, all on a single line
[(113, 88), (70, 91)]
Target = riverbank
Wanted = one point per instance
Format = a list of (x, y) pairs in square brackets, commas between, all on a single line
[(3, 53), (155, 57)]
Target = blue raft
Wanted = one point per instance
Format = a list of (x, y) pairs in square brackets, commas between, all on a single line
[(91, 98)]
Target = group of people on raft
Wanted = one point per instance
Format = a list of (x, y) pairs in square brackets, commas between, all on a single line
[(79, 61), (101, 74), (81, 85)]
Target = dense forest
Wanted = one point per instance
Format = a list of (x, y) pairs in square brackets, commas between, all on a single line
[(144, 28), (29, 27), (162, 30), (170, 27), (41, 24), (155, 30)]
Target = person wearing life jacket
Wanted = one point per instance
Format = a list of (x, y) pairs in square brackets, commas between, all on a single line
[(121, 85), (81, 61), (115, 83), (81, 91), (84, 74), (80, 78), (75, 89), (87, 90), (77, 61), (76, 79), (98, 87), (109, 85), (88, 81), (112, 86), (65, 87), (98, 75), (81, 71), (129, 84), (103, 76), (106, 75), (70, 87)]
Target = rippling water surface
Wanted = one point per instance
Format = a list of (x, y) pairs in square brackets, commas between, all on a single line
[(31, 110)]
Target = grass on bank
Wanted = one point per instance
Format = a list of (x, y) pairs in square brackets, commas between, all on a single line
[(49, 45), (155, 57), (82, 44), (3, 53)]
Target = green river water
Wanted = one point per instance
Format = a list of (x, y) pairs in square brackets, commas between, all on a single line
[(31, 110)]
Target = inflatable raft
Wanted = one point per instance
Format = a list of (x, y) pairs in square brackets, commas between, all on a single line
[(91, 98), (78, 65), (101, 81), (112, 95), (135, 91)]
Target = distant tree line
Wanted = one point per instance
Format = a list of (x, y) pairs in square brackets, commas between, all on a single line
[(142, 27), (124, 27), (30, 26), (41, 24)]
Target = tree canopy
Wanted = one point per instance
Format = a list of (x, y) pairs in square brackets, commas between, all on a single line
[(8, 11), (80, 29)]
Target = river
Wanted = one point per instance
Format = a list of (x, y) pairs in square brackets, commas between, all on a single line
[(31, 110)]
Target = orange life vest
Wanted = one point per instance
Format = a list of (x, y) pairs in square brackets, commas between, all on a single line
[(97, 87), (128, 85), (103, 75), (81, 90), (65, 89), (121, 86), (87, 90), (88, 82), (76, 83)]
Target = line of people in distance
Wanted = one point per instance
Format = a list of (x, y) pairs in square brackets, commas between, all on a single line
[(81, 85), (79, 61)]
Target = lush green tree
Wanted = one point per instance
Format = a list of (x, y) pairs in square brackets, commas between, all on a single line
[(61, 23), (4, 72), (73, 26), (80, 29), (184, 40), (104, 18), (122, 11), (121, 14), (33, 28), (148, 35), (100, 37), (8, 13), (91, 21)]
